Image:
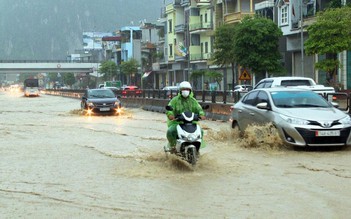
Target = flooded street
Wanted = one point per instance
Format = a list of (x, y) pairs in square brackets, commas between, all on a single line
[(56, 163)]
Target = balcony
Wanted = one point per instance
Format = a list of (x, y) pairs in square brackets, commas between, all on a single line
[(200, 27), (180, 28), (203, 2), (200, 57), (236, 17), (184, 3)]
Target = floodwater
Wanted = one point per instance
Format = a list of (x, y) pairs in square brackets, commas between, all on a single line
[(57, 163)]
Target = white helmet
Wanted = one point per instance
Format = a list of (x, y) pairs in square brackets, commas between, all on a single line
[(185, 85)]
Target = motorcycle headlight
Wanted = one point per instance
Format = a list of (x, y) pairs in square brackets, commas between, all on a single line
[(193, 137), (346, 120), (295, 121)]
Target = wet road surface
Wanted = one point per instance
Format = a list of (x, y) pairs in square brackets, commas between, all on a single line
[(56, 163)]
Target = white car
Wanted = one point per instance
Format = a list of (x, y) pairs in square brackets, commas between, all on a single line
[(291, 81), (242, 88), (301, 117)]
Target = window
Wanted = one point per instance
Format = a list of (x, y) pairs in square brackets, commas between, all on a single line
[(250, 99), (206, 47), (170, 50), (284, 15), (169, 26)]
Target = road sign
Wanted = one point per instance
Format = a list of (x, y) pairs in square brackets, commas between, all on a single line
[(245, 75)]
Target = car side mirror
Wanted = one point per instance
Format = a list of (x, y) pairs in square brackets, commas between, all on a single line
[(263, 105)]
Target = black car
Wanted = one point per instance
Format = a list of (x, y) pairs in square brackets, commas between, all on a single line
[(100, 101)]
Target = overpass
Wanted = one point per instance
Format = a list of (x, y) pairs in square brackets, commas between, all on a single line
[(47, 66)]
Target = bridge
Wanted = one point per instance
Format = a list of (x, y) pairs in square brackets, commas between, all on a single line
[(47, 66)]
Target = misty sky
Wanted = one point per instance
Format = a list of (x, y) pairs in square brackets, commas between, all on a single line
[(48, 29)]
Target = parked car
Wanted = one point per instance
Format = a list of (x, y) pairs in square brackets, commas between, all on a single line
[(99, 101), (171, 91), (300, 82), (114, 89), (131, 91), (301, 116), (242, 88)]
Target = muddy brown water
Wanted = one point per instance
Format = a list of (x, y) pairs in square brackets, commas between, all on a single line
[(57, 163)]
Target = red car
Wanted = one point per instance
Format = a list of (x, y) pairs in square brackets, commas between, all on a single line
[(131, 91)]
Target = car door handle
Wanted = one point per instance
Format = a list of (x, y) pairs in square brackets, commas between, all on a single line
[(252, 114)]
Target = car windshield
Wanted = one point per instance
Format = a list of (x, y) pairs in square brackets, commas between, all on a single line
[(298, 99), (100, 94)]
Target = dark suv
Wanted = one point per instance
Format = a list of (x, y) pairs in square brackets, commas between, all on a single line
[(99, 101)]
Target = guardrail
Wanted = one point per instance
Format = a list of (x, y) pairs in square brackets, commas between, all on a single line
[(226, 98), (222, 97)]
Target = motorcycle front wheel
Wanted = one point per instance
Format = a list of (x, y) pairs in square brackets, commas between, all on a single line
[(192, 156)]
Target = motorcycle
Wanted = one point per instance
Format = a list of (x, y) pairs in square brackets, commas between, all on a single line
[(189, 137)]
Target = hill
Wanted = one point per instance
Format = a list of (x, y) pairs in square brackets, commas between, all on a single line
[(47, 29)]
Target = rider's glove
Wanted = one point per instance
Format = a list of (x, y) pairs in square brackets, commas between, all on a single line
[(171, 117)]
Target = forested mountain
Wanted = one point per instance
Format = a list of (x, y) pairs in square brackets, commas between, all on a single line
[(49, 29)]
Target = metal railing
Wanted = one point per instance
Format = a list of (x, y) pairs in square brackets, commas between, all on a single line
[(204, 96)]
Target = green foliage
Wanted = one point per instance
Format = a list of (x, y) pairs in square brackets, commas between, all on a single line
[(335, 4), (215, 76), (52, 77), (68, 79), (257, 45), (327, 65), (24, 76), (108, 69), (330, 35), (224, 45), (129, 67), (196, 74)]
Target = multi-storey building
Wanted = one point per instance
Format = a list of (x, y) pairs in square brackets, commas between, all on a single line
[(291, 16), (189, 38)]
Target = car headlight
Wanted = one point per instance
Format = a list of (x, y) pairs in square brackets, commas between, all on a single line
[(90, 104), (295, 121), (346, 120), (116, 103)]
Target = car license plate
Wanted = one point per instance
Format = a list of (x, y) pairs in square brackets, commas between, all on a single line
[(328, 133), (105, 109)]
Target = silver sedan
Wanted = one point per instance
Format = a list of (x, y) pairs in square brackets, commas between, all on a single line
[(301, 117)]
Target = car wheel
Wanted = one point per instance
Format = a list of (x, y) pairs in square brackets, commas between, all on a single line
[(236, 128)]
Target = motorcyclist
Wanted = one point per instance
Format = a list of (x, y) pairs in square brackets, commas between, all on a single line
[(184, 101)]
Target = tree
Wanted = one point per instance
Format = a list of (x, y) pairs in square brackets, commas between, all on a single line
[(215, 76), (108, 69), (195, 75), (224, 48), (53, 77), (130, 68), (256, 45), (24, 76), (69, 79), (330, 35)]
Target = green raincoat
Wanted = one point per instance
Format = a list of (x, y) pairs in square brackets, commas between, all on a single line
[(179, 105)]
